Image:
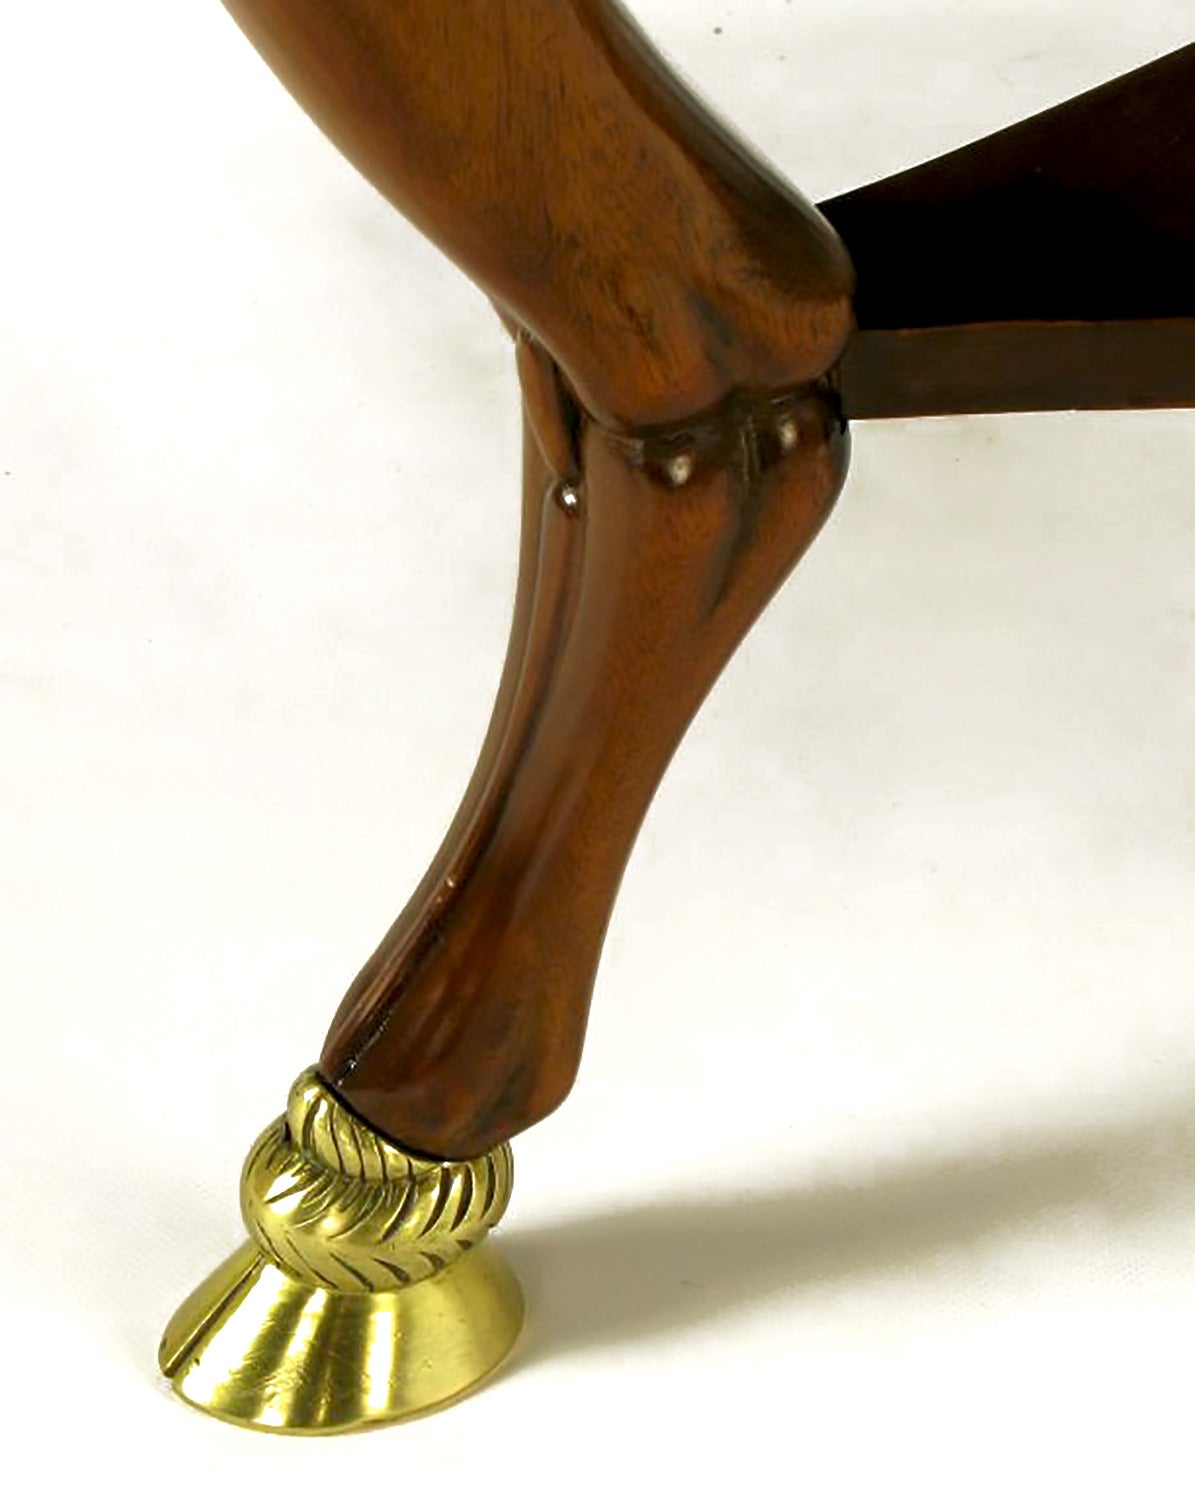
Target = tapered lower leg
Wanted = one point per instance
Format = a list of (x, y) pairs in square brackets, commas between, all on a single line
[(367, 1291), (466, 1026)]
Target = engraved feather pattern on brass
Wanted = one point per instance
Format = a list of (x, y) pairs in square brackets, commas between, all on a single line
[(369, 1291), (336, 1205)]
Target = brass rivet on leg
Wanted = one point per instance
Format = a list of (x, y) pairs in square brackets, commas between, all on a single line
[(679, 469), (788, 434)]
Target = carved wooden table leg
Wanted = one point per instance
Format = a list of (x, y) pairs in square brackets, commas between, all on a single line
[(683, 446), (680, 318)]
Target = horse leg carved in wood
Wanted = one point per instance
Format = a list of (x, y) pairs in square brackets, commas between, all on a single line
[(640, 577), (680, 318), (676, 310)]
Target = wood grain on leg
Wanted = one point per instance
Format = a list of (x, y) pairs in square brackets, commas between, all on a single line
[(467, 1024), (549, 151), (677, 307)]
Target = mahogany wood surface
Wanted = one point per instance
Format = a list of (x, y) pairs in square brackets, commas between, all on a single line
[(467, 1024), (680, 317), (1015, 366), (1050, 265), (676, 308), (548, 150)]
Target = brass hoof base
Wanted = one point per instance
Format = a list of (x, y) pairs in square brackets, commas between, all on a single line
[(255, 1346), (368, 1291)]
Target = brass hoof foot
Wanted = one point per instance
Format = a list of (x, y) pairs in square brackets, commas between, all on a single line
[(256, 1346), (368, 1291)]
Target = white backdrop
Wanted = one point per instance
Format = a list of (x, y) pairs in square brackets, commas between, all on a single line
[(914, 904)]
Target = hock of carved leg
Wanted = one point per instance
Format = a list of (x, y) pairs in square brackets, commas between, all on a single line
[(467, 1024), (548, 149)]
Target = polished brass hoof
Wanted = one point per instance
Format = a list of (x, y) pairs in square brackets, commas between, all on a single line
[(368, 1292), (254, 1345)]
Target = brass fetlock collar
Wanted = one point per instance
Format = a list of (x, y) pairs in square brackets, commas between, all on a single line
[(330, 1201), (367, 1292)]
